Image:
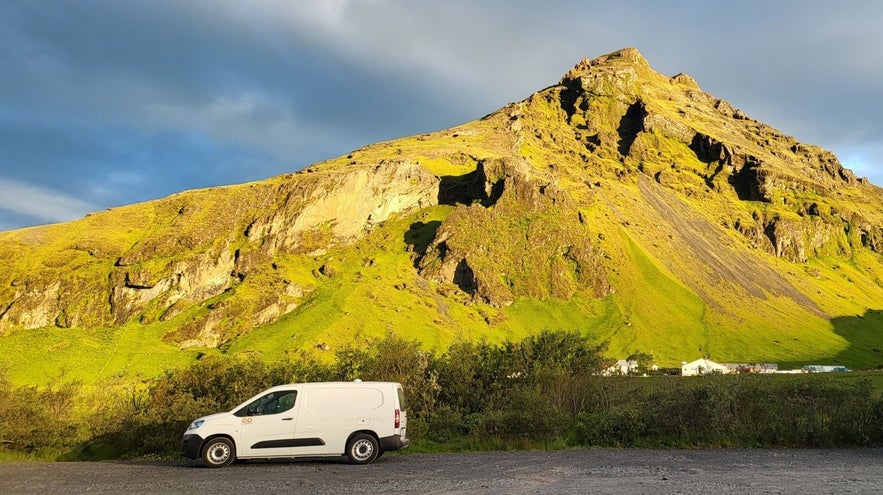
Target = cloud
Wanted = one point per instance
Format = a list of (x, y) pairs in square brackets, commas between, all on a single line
[(111, 102), (244, 118), (39, 203), (864, 160)]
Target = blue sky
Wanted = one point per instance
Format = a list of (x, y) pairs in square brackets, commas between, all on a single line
[(105, 103)]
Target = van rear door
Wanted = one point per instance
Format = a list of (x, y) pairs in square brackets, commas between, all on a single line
[(401, 414)]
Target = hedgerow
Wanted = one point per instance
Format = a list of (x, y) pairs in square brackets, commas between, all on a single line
[(543, 391)]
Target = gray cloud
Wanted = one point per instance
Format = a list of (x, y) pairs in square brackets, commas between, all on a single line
[(40, 203), (113, 102)]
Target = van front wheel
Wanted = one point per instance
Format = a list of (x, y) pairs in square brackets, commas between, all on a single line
[(219, 452), (362, 449)]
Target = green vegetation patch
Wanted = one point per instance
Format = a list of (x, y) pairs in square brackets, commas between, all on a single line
[(59, 355), (658, 314)]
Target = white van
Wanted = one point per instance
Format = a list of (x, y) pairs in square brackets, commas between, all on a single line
[(358, 419)]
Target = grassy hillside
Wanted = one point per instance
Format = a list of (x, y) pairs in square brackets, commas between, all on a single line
[(374, 291), (621, 203)]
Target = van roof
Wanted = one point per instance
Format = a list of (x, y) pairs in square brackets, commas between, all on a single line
[(335, 384)]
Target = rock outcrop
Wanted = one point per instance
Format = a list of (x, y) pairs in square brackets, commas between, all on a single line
[(547, 253), (198, 257)]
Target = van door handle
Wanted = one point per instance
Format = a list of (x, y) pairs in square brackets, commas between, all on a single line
[(287, 419)]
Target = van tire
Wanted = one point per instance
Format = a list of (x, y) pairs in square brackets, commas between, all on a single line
[(218, 452), (363, 449)]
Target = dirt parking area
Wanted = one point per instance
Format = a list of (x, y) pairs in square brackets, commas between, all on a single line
[(722, 471)]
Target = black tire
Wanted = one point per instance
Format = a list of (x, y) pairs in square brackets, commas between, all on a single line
[(218, 452), (362, 449)]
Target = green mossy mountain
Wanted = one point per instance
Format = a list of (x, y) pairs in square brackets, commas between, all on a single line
[(619, 202)]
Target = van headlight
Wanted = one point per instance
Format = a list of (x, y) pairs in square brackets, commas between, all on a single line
[(195, 425)]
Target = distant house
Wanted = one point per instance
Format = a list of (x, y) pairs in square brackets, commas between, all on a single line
[(702, 367), (622, 367)]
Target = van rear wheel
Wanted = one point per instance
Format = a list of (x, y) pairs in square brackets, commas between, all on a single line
[(219, 452), (363, 449)]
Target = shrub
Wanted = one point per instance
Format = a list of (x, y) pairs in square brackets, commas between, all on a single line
[(36, 421)]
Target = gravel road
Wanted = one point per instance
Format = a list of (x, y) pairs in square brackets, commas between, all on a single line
[(576, 471)]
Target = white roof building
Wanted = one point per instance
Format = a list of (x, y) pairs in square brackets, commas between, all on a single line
[(702, 367), (622, 367)]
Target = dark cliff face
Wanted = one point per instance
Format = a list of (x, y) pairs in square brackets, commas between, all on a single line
[(572, 193)]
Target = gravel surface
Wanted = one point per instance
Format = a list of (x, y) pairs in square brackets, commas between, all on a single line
[(724, 471)]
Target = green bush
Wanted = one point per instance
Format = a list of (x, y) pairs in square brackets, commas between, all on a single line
[(37, 421), (621, 426)]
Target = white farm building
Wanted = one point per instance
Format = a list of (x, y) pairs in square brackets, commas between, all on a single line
[(702, 367)]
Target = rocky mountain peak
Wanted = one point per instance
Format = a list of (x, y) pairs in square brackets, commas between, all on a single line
[(624, 60), (618, 101), (628, 55)]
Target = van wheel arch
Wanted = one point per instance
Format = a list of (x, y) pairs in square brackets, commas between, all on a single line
[(218, 451), (363, 447)]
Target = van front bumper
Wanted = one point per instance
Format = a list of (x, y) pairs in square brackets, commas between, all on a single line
[(394, 442), (191, 446)]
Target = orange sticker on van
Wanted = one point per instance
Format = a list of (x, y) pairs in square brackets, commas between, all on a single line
[(247, 421)]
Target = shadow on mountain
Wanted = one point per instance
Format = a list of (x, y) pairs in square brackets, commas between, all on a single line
[(458, 189), (420, 235), (630, 125), (469, 188), (865, 336), (746, 182), (568, 97)]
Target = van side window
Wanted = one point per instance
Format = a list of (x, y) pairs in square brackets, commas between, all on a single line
[(272, 403)]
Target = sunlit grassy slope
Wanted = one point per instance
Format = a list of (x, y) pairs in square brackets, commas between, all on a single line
[(374, 291)]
